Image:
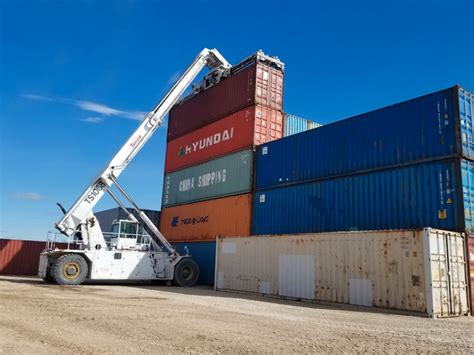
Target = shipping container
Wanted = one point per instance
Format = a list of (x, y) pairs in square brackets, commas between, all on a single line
[(257, 80), (294, 124), (426, 128), (204, 253), (21, 257), (470, 269), (204, 221), (243, 129), (437, 194), (419, 271), (228, 175)]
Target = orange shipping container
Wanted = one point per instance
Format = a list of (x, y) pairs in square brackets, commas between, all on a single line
[(204, 221)]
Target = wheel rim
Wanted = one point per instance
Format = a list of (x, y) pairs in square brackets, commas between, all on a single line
[(71, 270), (187, 272)]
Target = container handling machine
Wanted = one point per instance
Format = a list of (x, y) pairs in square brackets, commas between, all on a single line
[(129, 252)]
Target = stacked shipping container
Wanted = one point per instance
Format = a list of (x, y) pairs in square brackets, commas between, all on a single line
[(209, 159), (406, 166), (294, 124)]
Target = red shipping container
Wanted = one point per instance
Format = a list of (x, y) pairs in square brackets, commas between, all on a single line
[(252, 82), (251, 126), (204, 221), (20, 257), (470, 269)]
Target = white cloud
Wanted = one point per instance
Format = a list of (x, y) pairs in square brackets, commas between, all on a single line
[(95, 120), (91, 106), (38, 97), (99, 108), (29, 196)]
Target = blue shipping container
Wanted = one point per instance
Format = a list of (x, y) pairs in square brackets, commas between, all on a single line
[(426, 128), (436, 194), (293, 124), (204, 253)]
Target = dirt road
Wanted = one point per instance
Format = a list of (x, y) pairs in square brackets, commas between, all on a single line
[(39, 318)]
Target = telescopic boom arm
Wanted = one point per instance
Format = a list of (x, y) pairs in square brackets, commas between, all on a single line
[(106, 178)]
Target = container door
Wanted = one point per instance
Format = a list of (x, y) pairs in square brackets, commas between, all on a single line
[(445, 277), (466, 117), (457, 273), (470, 259)]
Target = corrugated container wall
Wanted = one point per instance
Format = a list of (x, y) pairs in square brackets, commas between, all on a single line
[(404, 270), (470, 268), (204, 221), (20, 257), (204, 253), (417, 130), (251, 82), (243, 129), (228, 175), (466, 114), (415, 196), (294, 124)]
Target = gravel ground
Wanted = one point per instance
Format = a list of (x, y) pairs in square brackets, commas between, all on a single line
[(40, 318)]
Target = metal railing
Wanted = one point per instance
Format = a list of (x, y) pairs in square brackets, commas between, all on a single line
[(66, 242), (58, 241)]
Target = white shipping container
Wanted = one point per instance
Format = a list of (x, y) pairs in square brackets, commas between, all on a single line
[(420, 271)]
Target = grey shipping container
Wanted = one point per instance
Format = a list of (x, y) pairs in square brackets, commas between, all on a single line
[(430, 127), (225, 176)]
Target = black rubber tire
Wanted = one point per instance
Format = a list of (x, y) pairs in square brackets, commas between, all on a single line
[(70, 269), (186, 273), (49, 278)]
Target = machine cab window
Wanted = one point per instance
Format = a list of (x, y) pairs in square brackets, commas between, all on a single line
[(125, 233), (128, 229), (129, 234)]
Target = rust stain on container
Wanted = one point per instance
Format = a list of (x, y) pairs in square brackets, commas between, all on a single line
[(204, 221)]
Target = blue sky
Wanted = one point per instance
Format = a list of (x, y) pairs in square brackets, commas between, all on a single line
[(76, 75)]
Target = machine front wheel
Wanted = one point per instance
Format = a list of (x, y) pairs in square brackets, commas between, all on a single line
[(49, 278), (186, 273), (70, 269)]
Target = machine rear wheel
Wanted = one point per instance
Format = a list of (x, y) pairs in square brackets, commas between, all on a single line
[(186, 273), (70, 269)]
